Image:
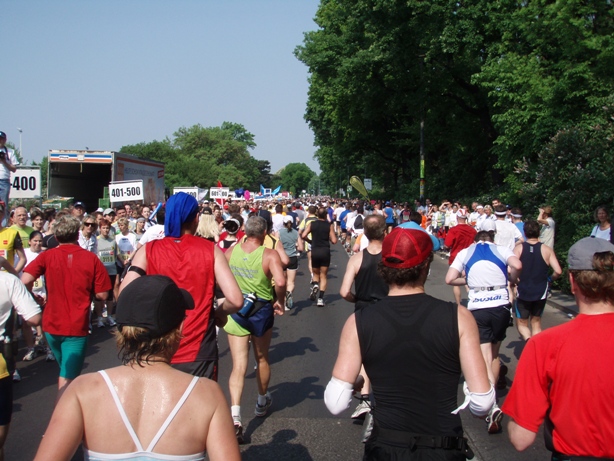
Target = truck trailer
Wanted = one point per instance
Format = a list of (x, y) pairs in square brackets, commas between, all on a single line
[(83, 174)]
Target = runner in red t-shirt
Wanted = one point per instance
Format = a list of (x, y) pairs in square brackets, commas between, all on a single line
[(73, 277)]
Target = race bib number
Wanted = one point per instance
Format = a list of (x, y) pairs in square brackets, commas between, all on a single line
[(107, 259), (38, 284)]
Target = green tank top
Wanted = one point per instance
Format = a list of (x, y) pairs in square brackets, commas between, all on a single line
[(247, 269)]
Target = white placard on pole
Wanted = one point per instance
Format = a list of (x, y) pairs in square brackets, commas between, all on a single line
[(368, 184), (125, 191), (193, 191), (218, 192), (26, 183)]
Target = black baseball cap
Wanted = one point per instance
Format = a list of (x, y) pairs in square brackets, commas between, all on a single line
[(2, 134), (153, 302), (81, 204)]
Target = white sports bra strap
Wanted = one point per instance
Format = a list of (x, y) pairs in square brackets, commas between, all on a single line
[(122, 413), (173, 413)]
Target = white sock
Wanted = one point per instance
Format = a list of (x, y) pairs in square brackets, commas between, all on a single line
[(235, 411), (261, 400)]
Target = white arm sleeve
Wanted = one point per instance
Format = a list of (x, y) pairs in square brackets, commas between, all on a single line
[(338, 395), (479, 404)]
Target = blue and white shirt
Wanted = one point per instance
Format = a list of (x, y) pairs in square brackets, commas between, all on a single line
[(485, 266)]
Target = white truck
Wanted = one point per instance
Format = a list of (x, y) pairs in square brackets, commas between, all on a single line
[(83, 174)]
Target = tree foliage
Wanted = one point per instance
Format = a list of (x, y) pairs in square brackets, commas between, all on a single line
[(492, 81), (199, 156), (295, 177)]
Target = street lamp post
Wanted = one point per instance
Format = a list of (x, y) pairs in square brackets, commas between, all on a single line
[(20, 151)]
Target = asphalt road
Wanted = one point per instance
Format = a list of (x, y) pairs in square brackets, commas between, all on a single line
[(303, 351)]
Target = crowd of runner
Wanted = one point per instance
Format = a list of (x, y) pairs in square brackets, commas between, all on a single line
[(238, 261)]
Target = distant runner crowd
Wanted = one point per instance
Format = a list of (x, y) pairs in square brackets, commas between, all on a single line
[(170, 277)]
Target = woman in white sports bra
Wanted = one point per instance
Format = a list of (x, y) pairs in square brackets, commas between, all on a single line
[(143, 410)]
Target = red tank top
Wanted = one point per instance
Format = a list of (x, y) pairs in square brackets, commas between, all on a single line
[(189, 262)]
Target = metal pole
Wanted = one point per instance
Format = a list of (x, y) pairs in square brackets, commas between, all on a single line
[(20, 151), (422, 162)]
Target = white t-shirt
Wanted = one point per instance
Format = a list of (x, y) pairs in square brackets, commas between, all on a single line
[(338, 212), (601, 234), (14, 293), (351, 221), (126, 244), (39, 284), (546, 235), (5, 173), (473, 217), (89, 244), (485, 266), (507, 234), (155, 232), (278, 222)]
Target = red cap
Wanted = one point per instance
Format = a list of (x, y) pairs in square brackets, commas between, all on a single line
[(410, 246)]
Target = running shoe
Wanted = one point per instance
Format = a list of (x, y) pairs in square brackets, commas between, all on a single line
[(30, 355), (315, 288), (261, 410), (100, 323), (289, 301), (16, 376), (320, 302), (501, 381), (361, 410), (111, 321), (239, 431), (494, 420), (50, 357)]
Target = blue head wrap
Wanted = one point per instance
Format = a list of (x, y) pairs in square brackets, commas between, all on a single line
[(180, 209)]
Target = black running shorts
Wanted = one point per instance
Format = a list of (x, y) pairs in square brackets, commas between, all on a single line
[(320, 257), (492, 323), (526, 309)]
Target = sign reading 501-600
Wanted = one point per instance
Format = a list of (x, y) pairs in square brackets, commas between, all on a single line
[(125, 191), (26, 183)]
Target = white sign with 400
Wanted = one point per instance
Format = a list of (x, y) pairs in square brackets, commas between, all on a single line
[(26, 183), (124, 191)]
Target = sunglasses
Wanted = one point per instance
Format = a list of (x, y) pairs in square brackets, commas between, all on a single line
[(88, 224)]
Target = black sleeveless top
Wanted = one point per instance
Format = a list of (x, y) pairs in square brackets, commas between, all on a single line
[(534, 280), (369, 286), (320, 232), (410, 350)]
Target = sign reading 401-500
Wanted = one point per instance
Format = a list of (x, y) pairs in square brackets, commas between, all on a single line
[(126, 191), (26, 183)]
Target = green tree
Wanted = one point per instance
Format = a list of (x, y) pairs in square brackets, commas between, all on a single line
[(199, 156), (44, 166), (379, 70), (551, 70), (295, 177)]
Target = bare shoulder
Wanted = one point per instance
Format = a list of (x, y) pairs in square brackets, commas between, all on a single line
[(208, 394), (465, 318), (356, 260)]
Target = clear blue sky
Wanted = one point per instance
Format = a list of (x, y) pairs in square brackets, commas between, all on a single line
[(104, 74)]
